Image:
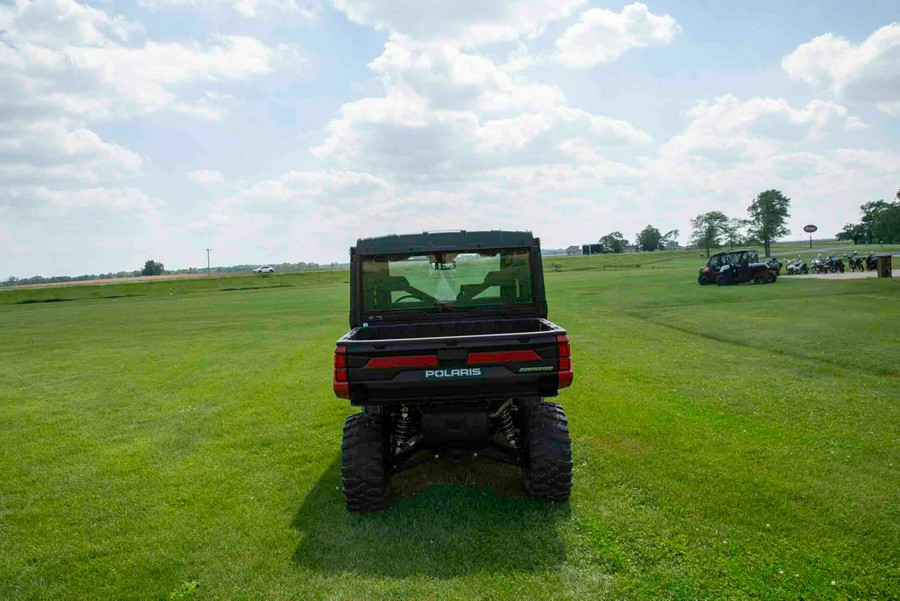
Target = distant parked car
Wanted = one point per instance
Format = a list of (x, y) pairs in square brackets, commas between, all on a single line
[(264, 269)]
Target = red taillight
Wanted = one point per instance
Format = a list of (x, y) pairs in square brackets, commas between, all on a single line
[(503, 357), (404, 361), (564, 352), (340, 380)]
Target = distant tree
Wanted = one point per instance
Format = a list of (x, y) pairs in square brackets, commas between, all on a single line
[(881, 220), (670, 237), (733, 230), (152, 268), (614, 241), (708, 229), (855, 232), (768, 214), (649, 239)]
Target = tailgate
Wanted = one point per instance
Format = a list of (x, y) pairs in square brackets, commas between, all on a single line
[(453, 368)]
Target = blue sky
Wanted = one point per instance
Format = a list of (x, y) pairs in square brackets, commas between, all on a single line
[(282, 130)]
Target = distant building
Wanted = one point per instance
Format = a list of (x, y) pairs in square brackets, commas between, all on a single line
[(593, 249), (574, 251), (630, 248)]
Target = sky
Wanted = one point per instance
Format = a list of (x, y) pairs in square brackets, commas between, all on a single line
[(283, 130)]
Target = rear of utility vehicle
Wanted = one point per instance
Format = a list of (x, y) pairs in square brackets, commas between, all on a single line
[(450, 355)]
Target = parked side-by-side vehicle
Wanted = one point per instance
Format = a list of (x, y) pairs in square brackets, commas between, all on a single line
[(451, 355), (737, 267)]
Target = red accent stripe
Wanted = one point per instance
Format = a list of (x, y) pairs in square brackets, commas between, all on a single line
[(409, 361), (342, 390), (562, 346), (504, 357), (340, 384)]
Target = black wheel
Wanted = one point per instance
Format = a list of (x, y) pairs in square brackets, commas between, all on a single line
[(771, 277), (722, 280), (702, 280), (548, 472), (364, 471)]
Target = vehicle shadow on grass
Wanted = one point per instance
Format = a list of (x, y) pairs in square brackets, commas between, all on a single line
[(445, 521)]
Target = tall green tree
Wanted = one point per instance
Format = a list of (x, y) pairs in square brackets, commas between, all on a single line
[(768, 214), (670, 237), (649, 239), (733, 230), (881, 220), (152, 267), (707, 229), (854, 231), (614, 241)]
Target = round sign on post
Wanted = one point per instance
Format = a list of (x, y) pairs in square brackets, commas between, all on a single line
[(809, 229)]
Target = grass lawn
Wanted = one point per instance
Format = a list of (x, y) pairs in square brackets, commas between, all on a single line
[(182, 438)]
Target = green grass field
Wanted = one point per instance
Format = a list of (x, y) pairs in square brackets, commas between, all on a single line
[(180, 439)]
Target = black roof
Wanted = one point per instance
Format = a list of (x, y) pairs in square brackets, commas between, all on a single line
[(736, 250), (448, 241)]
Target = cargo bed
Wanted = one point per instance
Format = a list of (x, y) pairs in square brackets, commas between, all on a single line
[(453, 360)]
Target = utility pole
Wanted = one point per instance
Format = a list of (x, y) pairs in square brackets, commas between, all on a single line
[(208, 272)]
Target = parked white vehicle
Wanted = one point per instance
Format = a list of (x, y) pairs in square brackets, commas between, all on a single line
[(264, 269)]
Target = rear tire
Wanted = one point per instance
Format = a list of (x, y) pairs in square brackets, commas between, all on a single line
[(722, 280), (364, 471), (548, 473)]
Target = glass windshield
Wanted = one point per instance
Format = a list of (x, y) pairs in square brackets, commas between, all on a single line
[(446, 280)]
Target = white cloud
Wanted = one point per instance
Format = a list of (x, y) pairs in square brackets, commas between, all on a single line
[(206, 176), (462, 23), (868, 72), (730, 150), (462, 114), (307, 10), (57, 23), (602, 36), (318, 214), (40, 151), (60, 56), (728, 130), (118, 199)]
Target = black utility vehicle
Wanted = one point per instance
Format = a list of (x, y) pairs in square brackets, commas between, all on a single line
[(737, 267), (450, 356)]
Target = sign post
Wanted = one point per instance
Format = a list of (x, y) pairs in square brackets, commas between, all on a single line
[(810, 229)]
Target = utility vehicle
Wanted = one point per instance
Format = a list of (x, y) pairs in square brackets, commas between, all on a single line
[(736, 267), (451, 356)]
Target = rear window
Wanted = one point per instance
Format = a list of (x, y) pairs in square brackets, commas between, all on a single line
[(446, 280)]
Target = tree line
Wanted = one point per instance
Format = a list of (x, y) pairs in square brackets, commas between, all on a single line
[(649, 239), (880, 223), (765, 222)]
